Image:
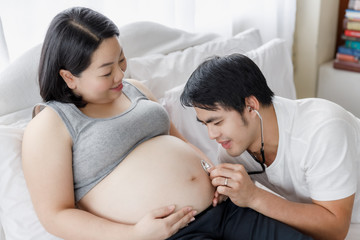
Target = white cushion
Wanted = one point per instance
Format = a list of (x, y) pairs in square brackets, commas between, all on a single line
[(17, 215), (19, 88), (273, 60), (184, 119), (275, 63), (145, 38), (163, 72)]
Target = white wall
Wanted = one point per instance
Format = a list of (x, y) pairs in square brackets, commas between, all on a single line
[(314, 42)]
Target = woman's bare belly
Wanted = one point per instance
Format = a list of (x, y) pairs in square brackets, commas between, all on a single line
[(159, 172)]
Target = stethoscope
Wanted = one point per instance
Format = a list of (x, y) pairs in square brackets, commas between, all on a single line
[(262, 163)]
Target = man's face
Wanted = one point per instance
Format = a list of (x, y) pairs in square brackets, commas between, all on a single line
[(233, 131)]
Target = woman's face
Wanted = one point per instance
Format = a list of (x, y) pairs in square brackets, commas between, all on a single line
[(101, 82)]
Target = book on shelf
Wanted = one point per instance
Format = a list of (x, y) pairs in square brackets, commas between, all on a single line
[(352, 44), (352, 33), (354, 4), (349, 51), (346, 57), (344, 37), (352, 14), (351, 24), (345, 65)]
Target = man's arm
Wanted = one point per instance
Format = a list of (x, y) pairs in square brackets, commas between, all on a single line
[(320, 219)]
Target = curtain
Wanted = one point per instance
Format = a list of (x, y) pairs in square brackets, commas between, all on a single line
[(25, 22)]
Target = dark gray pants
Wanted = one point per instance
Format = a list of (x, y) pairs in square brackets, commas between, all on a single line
[(230, 222)]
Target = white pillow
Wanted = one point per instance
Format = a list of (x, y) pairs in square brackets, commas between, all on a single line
[(184, 119), (275, 63), (145, 38), (19, 87), (17, 215), (163, 72)]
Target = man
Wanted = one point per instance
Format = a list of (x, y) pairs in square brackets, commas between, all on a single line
[(306, 151)]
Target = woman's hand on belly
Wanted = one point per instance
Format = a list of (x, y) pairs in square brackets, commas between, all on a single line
[(162, 223)]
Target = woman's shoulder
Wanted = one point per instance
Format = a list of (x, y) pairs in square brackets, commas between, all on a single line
[(142, 88), (45, 123), (136, 83)]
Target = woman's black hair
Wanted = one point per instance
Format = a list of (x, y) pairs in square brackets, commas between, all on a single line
[(226, 82), (70, 41)]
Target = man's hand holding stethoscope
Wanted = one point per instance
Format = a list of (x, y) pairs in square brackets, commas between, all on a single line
[(232, 180)]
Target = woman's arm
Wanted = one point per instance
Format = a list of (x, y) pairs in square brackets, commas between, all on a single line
[(47, 166)]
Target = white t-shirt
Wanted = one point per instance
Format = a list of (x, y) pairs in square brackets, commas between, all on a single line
[(318, 154)]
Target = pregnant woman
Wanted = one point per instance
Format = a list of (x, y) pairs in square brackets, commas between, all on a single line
[(103, 161)]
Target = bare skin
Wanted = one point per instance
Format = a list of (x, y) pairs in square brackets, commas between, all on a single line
[(160, 172)]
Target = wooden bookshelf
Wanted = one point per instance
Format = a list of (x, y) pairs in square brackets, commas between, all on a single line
[(343, 4), (348, 38)]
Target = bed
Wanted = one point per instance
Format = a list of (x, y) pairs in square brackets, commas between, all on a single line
[(163, 62)]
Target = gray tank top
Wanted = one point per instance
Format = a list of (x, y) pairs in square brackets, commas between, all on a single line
[(99, 145)]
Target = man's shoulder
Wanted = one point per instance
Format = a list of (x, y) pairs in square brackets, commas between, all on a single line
[(302, 118), (315, 109)]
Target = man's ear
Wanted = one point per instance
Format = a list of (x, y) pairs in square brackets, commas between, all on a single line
[(252, 103), (68, 78)]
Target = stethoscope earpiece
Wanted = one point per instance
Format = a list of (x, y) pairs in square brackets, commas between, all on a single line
[(262, 143), (261, 126)]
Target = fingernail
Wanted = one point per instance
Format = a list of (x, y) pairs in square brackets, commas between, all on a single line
[(172, 207), (192, 219), (194, 212)]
